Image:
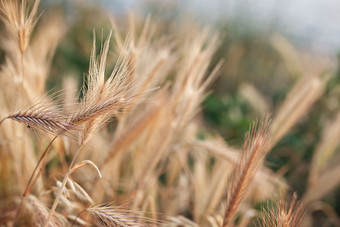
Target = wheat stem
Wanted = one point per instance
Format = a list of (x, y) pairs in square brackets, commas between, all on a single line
[(56, 201), (30, 185), (41, 160), (3, 120), (22, 68)]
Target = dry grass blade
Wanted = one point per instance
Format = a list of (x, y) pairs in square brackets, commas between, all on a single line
[(75, 188), (85, 162), (284, 215), (256, 146)]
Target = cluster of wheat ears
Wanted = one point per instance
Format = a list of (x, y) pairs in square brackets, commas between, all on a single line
[(59, 165)]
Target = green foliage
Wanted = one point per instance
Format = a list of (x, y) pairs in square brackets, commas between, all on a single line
[(230, 115)]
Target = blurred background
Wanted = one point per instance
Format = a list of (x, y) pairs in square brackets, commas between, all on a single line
[(266, 46)]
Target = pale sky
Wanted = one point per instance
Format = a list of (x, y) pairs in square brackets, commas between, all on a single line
[(310, 24)]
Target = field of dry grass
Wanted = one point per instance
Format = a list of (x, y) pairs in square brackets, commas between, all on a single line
[(131, 148)]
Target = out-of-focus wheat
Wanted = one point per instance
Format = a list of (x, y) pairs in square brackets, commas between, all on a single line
[(304, 93), (283, 214), (113, 216), (19, 24), (324, 150), (153, 154)]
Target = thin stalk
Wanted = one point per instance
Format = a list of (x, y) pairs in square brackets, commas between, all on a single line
[(3, 120), (56, 201), (22, 69), (31, 182)]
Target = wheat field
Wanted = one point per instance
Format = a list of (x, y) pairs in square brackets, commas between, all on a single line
[(130, 146)]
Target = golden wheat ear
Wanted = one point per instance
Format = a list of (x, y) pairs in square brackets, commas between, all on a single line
[(109, 215), (19, 24), (44, 116), (284, 214), (255, 148)]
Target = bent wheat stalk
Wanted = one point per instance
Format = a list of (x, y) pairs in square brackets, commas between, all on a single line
[(56, 201), (33, 179), (3, 120)]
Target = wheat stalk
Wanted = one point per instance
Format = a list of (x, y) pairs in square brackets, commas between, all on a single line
[(19, 25), (102, 100), (44, 116), (33, 178)]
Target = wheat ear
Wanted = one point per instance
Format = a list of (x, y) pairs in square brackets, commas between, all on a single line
[(19, 24), (48, 123), (284, 215), (111, 216), (101, 108), (255, 148), (44, 115)]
